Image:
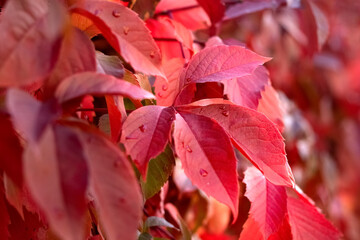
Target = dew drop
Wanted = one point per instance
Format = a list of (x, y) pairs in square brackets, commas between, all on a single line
[(164, 87), (126, 30), (97, 11), (130, 138), (117, 163), (152, 54), (188, 79), (222, 108), (172, 119), (225, 113), (188, 149), (142, 128), (203, 172), (116, 13), (160, 95), (122, 200), (183, 144)]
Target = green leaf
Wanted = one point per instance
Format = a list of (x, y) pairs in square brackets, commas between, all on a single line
[(159, 170), (156, 222)]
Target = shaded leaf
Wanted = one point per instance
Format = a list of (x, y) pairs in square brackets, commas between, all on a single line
[(113, 185), (148, 127), (30, 116), (159, 170), (90, 83), (246, 90), (126, 33), (207, 157), (214, 8), (51, 167), (28, 29), (77, 55), (154, 221)]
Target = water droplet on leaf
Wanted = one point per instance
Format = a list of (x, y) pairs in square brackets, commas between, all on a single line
[(130, 138), (116, 13), (164, 87), (117, 163), (152, 54), (97, 11), (122, 200), (160, 95), (225, 113), (222, 108), (188, 79), (188, 149), (203, 172), (142, 128), (126, 30)]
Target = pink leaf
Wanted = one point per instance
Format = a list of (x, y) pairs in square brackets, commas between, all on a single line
[(246, 90), (217, 63), (30, 116), (126, 33), (89, 83), (77, 55), (207, 157), (28, 30), (167, 91), (251, 230), (249, 6), (271, 106), (187, 12), (307, 222), (148, 127), (113, 185), (51, 167), (268, 201), (255, 136)]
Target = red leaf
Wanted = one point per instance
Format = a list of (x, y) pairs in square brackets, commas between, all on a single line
[(187, 12), (148, 127), (207, 157), (268, 202), (251, 230), (56, 174), (11, 157), (217, 63), (214, 8), (249, 6), (30, 116), (246, 90), (126, 33), (271, 106), (254, 135), (167, 91), (89, 83), (29, 29), (115, 118), (4, 216), (77, 55), (114, 187), (308, 223)]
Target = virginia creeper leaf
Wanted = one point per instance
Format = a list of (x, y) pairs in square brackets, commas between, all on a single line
[(77, 55), (217, 63), (214, 8), (246, 90), (159, 170), (30, 116), (56, 174), (11, 149), (271, 106), (207, 157), (148, 127), (4, 217), (126, 33), (29, 29), (254, 135), (268, 202), (167, 89), (307, 222), (113, 185), (89, 83)]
